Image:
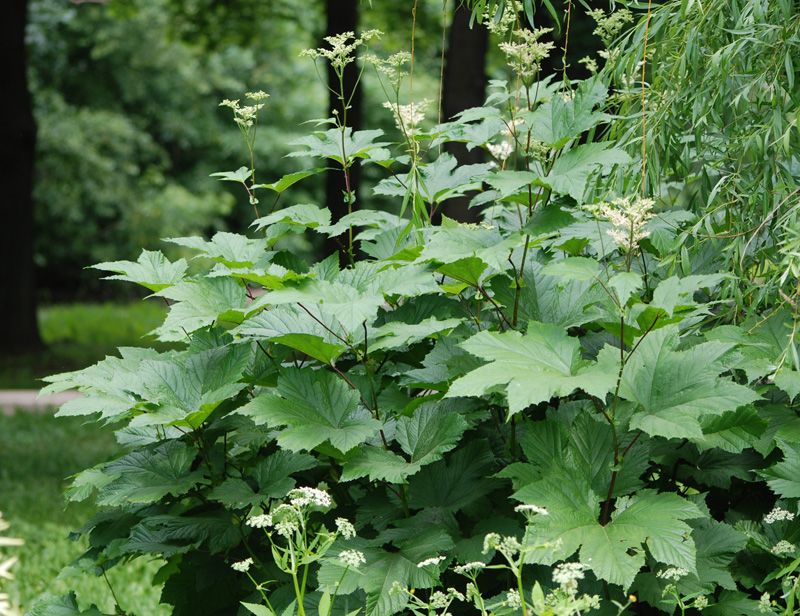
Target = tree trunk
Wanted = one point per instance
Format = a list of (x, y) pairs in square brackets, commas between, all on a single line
[(342, 16), (18, 136), (464, 87)]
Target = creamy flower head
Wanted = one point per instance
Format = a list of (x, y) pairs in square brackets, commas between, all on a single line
[(352, 558), (342, 48), (526, 54), (392, 67), (345, 528), (243, 565), (300, 497), (783, 548), (567, 575), (778, 515), (628, 217), (672, 573), (507, 20), (408, 117), (430, 561)]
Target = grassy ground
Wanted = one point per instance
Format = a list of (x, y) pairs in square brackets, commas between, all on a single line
[(78, 335), (37, 453)]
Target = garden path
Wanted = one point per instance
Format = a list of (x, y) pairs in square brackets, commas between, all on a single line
[(29, 400)]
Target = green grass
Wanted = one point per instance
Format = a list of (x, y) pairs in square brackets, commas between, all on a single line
[(78, 335), (38, 453)]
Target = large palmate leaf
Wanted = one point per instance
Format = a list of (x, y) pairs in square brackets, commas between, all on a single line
[(200, 303), (425, 436), (189, 387), (614, 551), (571, 170), (148, 474), (333, 142), (230, 249), (535, 367), (316, 406), (674, 389), (151, 270), (783, 478)]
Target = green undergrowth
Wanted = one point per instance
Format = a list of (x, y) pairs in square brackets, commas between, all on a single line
[(78, 335), (37, 455)]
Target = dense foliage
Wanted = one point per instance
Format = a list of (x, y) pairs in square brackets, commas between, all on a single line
[(549, 411)]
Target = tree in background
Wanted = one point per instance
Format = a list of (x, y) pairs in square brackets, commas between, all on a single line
[(18, 136)]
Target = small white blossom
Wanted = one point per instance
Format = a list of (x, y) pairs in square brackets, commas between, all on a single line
[(439, 600), (764, 603), (408, 117), (430, 561), (525, 56), (286, 528), (532, 509), (628, 217), (778, 515), (609, 26), (352, 558), (469, 567), (590, 64), (513, 600), (342, 48), (490, 542), (346, 529), (452, 593), (243, 565), (260, 521), (783, 548), (672, 573), (507, 20), (567, 575), (300, 497), (701, 602)]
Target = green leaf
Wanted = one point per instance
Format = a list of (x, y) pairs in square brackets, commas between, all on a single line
[(674, 389), (468, 270), (625, 284), (509, 183), (289, 180), (231, 249), (303, 215), (783, 478), (573, 268), (313, 346), (258, 609), (147, 475), (424, 437), (543, 363), (733, 431), (571, 170), (333, 142), (547, 220), (201, 303), (316, 406), (395, 334), (62, 605), (151, 270), (788, 381), (557, 121), (676, 291), (241, 175)]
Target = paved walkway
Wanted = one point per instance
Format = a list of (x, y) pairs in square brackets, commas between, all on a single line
[(28, 400)]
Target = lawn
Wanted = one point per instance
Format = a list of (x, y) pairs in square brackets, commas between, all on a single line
[(78, 335), (38, 453)]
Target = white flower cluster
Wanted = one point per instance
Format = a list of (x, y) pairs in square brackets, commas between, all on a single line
[(345, 528), (300, 497), (783, 548), (628, 217), (243, 565), (609, 26), (5, 567), (700, 603), (342, 48), (247, 115), (778, 515), (260, 521), (672, 573), (501, 151), (508, 546), (506, 22), (513, 600), (430, 561), (352, 558), (392, 67), (532, 509), (567, 575), (469, 567), (765, 603), (526, 54), (408, 117)]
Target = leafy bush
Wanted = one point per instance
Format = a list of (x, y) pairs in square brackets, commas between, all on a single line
[(546, 412)]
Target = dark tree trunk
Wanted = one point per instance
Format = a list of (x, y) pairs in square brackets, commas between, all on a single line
[(342, 16), (464, 87), (18, 136)]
